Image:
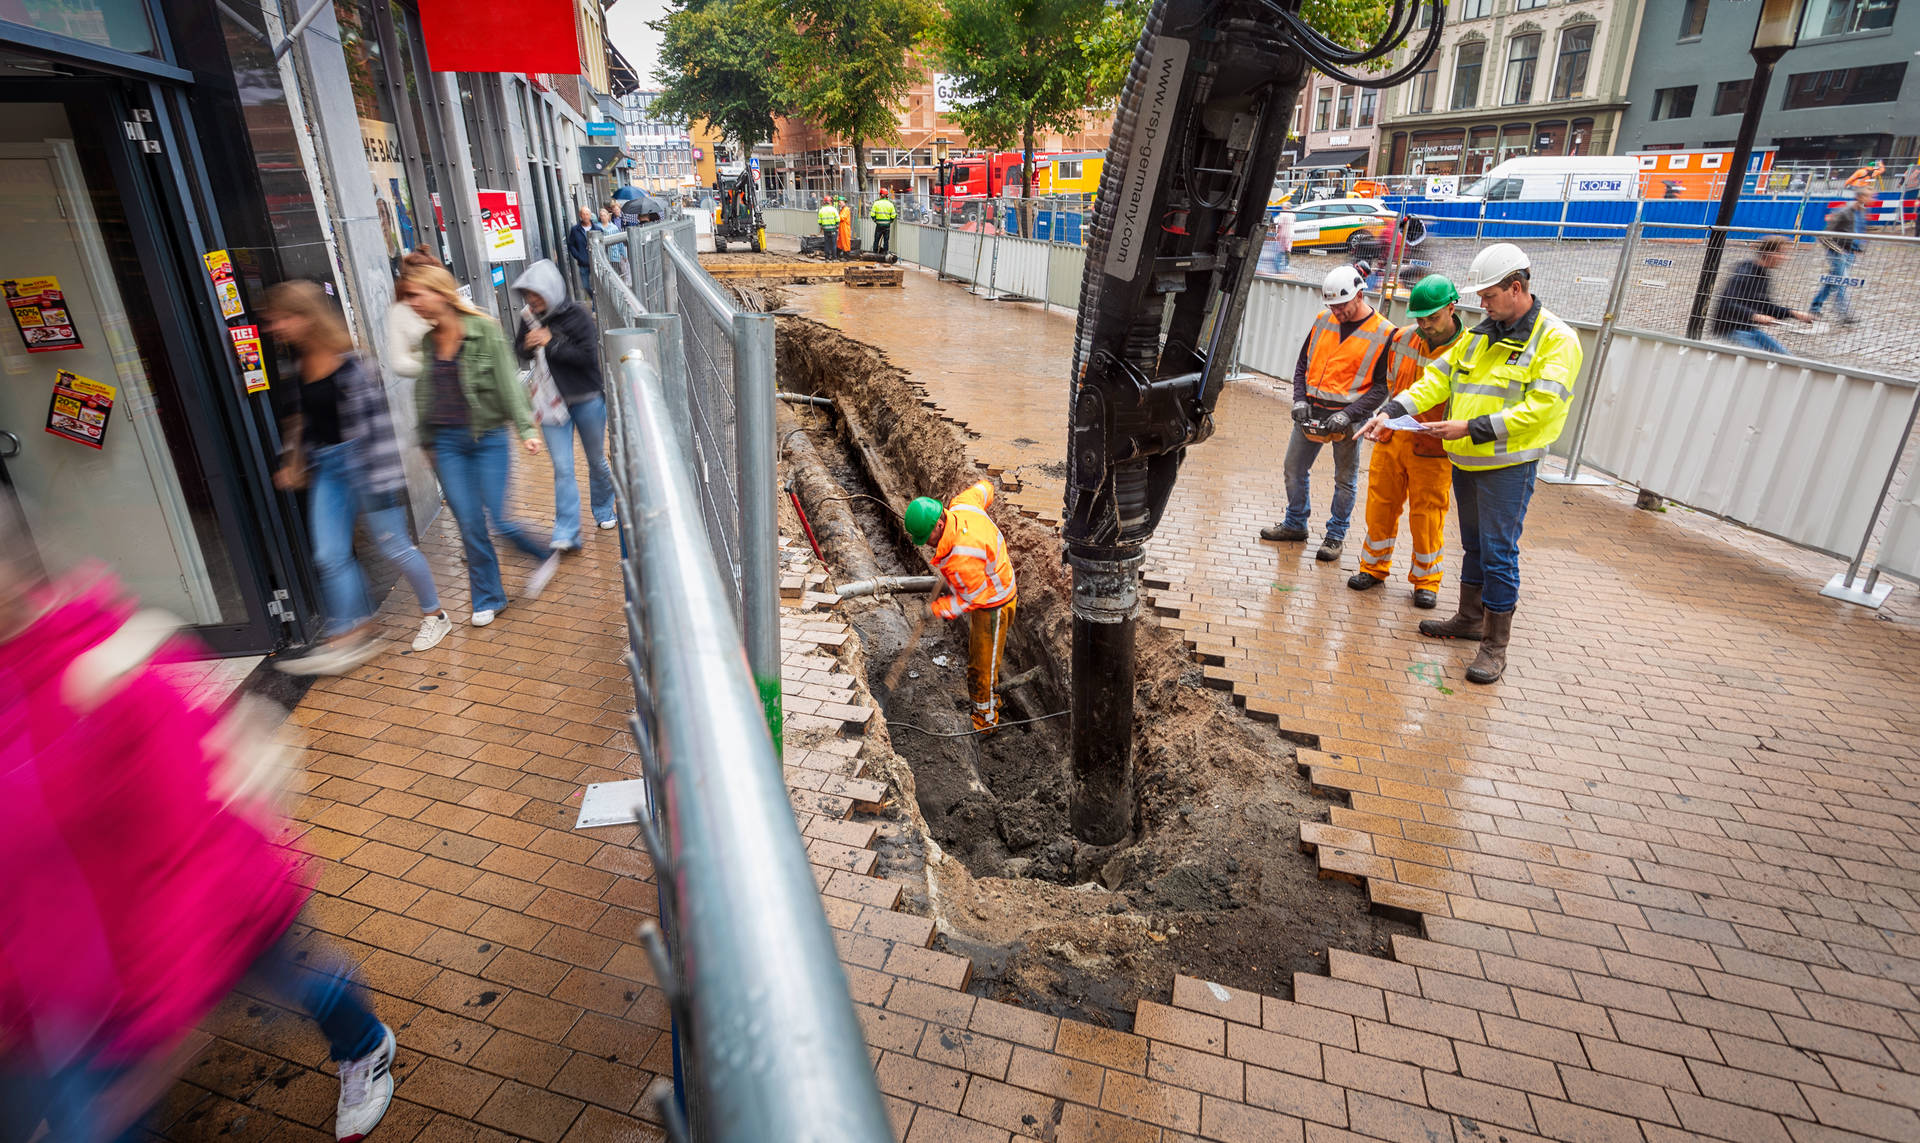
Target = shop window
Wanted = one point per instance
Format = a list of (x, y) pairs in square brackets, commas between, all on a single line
[(1523, 59), (119, 24), (1843, 87), (1344, 118), (1673, 102), (1844, 17), (1323, 110), (1693, 19), (1731, 97), (1570, 72), (1467, 61), (1420, 95), (1369, 99)]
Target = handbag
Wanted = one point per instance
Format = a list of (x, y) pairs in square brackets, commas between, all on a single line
[(549, 408)]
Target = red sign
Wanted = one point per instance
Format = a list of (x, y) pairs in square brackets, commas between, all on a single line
[(526, 36)]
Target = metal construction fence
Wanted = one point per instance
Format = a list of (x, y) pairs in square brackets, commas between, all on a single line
[(720, 365)]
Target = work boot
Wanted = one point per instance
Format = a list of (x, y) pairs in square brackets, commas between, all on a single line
[(1329, 550), (1361, 581), (1469, 622), (1491, 662), (1425, 598), (1286, 533)]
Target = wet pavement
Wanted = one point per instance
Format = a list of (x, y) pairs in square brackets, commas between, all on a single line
[(1666, 868)]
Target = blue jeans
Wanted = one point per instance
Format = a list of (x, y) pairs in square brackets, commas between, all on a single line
[(334, 506), (590, 419), (473, 474), (1491, 505), (1756, 339), (586, 279), (1839, 262), (1301, 453)]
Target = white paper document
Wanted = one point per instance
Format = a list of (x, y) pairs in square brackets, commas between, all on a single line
[(1404, 424)]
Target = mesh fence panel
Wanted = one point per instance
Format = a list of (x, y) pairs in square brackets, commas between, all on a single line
[(708, 346)]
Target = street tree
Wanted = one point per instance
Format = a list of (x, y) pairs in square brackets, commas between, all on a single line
[(718, 63), (848, 65)]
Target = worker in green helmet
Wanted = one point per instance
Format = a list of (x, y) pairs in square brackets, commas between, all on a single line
[(970, 553), (1411, 470)]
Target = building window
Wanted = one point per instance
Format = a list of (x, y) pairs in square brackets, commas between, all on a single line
[(1673, 102), (1067, 169), (1474, 9), (1420, 98), (1523, 5), (1843, 87), (1693, 19), (1344, 118), (1368, 100), (1731, 97), (1299, 113), (1844, 17), (1323, 110), (1523, 59), (1425, 18), (1467, 60), (1570, 73)]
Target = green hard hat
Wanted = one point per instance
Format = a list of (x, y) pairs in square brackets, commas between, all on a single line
[(1430, 295), (922, 514)]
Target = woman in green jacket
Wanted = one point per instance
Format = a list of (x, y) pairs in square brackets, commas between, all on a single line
[(469, 404)]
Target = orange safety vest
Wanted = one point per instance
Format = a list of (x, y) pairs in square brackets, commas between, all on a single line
[(972, 556), (1407, 356), (1340, 369)]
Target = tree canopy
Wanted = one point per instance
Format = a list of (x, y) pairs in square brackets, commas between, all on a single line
[(847, 65), (718, 63)]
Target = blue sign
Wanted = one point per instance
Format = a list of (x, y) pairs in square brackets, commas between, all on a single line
[(753, 163), (499, 274), (603, 128)]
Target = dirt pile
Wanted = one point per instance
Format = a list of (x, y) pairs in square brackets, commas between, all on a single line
[(1212, 883)]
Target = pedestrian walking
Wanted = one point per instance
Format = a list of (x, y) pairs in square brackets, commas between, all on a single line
[(1410, 469), (1283, 230), (1510, 382), (616, 251), (828, 216), (140, 881), (1841, 248), (1910, 200), (558, 339), (1339, 380), (970, 553), (1746, 307), (340, 445), (469, 404), (884, 213), (580, 249)]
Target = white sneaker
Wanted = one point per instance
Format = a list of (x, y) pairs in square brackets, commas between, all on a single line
[(605, 524), (433, 628), (541, 577), (482, 618), (366, 1088)]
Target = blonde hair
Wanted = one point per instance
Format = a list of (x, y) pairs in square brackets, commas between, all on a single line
[(326, 329), (436, 279)]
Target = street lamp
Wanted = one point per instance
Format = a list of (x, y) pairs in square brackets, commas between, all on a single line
[(942, 175), (1776, 33)]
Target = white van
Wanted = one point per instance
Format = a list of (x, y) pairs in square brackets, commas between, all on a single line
[(1577, 178)]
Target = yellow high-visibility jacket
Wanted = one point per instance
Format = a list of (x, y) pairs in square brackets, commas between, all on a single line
[(828, 214), (1513, 391)]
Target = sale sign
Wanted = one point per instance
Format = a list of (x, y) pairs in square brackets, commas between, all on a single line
[(500, 218), (246, 347), (80, 408), (40, 314)]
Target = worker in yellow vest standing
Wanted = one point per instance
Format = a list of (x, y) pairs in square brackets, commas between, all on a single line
[(1510, 380), (1339, 381), (884, 213), (1410, 470), (828, 216)]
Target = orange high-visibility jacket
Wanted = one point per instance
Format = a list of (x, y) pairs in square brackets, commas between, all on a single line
[(1340, 369), (1408, 355), (972, 556)]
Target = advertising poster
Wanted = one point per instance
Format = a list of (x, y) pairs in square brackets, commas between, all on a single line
[(79, 409), (246, 346), (390, 197), (220, 269), (40, 313), (500, 218)]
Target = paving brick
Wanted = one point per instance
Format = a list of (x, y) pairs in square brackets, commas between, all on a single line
[(1178, 1026), (1139, 1098), (1274, 1050), (1214, 1000), (1297, 1096), (965, 1050), (921, 1082), (1232, 1122), (529, 1112), (1119, 1051), (1024, 1113), (931, 1125)]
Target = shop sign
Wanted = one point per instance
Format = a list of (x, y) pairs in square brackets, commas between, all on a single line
[(40, 314), (499, 274), (80, 408), (1436, 150), (246, 347), (500, 218), (602, 127), (220, 269)]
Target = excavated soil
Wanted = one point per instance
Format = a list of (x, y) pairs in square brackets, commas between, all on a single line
[(1212, 884)]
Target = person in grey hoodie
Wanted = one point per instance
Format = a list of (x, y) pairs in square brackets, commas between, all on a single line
[(563, 334)]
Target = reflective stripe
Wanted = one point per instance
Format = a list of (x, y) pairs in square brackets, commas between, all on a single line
[(1479, 390), (1499, 460), (1385, 545), (1427, 557), (1554, 387), (1499, 423)]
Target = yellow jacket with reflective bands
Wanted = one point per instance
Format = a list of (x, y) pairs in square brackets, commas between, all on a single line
[(828, 214), (1521, 383)]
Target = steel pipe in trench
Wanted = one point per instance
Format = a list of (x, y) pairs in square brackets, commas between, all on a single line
[(887, 584), (1106, 598)]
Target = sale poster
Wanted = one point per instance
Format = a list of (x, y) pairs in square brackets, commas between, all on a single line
[(220, 269), (500, 218), (40, 313), (246, 346), (80, 408)]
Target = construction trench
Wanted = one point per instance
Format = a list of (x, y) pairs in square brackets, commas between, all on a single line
[(1210, 883)]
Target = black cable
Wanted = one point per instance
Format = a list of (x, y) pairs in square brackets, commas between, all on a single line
[(967, 733), (861, 496)]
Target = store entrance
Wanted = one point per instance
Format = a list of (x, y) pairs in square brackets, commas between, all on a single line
[(96, 445)]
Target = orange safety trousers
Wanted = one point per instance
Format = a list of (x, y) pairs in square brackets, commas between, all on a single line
[(986, 647), (1397, 478)]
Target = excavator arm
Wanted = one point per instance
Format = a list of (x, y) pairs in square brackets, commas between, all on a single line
[(1176, 236)]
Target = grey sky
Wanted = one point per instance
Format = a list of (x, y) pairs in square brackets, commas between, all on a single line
[(627, 28)]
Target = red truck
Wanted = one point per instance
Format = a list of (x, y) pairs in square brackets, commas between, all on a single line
[(987, 176)]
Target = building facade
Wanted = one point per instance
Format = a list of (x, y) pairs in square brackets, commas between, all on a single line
[(1339, 122), (1850, 90), (1511, 78), (662, 149)]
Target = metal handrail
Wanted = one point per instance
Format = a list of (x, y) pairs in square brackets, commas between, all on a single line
[(761, 1006)]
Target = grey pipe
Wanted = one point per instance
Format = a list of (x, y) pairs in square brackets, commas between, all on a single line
[(805, 399), (886, 584), (774, 1049)]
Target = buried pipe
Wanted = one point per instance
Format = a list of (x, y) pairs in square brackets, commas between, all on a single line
[(805, 399), (887, 584)]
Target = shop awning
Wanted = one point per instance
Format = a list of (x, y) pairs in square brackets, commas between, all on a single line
[(1344, 158), (622, 76), (600, 160)]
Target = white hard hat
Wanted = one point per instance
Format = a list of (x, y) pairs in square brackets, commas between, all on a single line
[(1492, 265), (1343, 284)]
